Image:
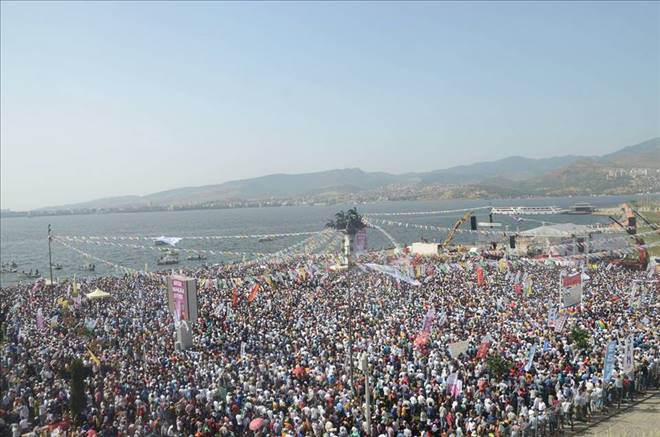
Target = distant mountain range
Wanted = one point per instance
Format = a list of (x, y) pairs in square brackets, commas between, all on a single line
[(631, 169)]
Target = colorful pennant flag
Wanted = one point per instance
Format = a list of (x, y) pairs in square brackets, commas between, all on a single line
[(480, 276), (93, 357), (253, 292)]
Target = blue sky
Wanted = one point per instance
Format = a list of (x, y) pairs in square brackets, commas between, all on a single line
[(103, 99)]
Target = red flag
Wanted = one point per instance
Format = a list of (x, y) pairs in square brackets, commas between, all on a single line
[(572, 280), (234, 297), (480, 276), (421, 340), (253, 292), (483, 349)]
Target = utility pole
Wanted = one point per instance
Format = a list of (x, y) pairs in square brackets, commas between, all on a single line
[(50, 256)]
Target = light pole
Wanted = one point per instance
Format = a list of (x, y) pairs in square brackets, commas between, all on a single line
[(350, 344), (348, 223), (50, 256), (367, 390), (347, 261)]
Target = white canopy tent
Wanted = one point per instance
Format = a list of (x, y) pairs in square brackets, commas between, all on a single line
[(98, 294), (558, 231), (559, 239)]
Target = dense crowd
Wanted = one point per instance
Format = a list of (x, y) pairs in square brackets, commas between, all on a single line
[(279, 365)]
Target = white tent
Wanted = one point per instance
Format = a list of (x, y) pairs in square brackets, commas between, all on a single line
[(97, 294), (560, 239), (558, 230)]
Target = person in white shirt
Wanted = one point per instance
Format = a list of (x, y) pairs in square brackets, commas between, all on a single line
[(567, 413), (597, 398)]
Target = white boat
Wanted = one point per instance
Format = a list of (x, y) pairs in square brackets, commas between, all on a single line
[(526, 210), (171, 257), (166, 241), (10, 267), (31, 274)]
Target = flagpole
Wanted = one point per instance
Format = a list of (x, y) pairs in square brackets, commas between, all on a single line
[(50, 257), (561, 289)]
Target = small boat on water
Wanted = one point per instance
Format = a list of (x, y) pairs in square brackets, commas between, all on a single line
[(170, 257), (266, 239), (166, 260), (196, 257), (11, 267), (31, 274), (57, 266), (88, 267)]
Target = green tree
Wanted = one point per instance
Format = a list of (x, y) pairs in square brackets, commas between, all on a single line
[(498, 365), (78, 399), (580, 337)]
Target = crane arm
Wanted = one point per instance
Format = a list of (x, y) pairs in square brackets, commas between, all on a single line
[(650, 224), (452, 232)]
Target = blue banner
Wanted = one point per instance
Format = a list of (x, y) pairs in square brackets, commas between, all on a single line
[(530, 359), (609, 361)]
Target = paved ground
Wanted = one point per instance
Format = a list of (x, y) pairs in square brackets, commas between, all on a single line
[(639, 420)]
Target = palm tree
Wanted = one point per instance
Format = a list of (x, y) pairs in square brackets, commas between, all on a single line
[(348, 222)]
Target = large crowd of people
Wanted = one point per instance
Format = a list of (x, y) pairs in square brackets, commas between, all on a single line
[(279, 365)]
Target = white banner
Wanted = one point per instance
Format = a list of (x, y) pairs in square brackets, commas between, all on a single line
[(393, 272), (628, 356), (560, 323), (361, 242), (635, 298), (243, 350), (530, 358), (552, 317), (571, 290), (457, 348)]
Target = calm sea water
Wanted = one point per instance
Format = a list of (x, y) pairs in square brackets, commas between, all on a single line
[(24, 240)]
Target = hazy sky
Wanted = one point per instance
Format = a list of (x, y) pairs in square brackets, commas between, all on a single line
[(103, 99)]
